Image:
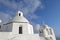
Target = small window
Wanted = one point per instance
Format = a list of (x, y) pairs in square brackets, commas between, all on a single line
[(19, 14), (41, 31), (50, 31), (20, 30), (0, 26), (51, 38)]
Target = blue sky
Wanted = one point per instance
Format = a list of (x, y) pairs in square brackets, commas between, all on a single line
[(36, 11)]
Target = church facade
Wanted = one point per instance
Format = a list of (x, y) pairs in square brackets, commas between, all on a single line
[(19, 28)]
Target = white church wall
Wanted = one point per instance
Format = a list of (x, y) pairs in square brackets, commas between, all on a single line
[(9, 27), (30, 29), (45, 33), (4, 35), (15, 28), (27, 37), (53, 35), (24, 28), (5, 32)]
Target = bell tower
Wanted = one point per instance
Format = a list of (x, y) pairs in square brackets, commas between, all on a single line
[(47, 32), (20, 13)]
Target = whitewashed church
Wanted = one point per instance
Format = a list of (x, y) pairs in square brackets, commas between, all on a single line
[(19, 28)]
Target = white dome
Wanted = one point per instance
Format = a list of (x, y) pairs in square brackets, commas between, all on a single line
[(44, 26), (19, 18)]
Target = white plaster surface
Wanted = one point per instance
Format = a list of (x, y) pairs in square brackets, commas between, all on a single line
[(22, 37)]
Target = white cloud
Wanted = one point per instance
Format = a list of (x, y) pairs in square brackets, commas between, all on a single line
[(9, 4)]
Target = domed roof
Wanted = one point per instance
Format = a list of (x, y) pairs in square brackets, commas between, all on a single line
[(44, 26), (19, 18)]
